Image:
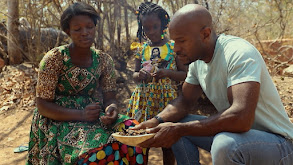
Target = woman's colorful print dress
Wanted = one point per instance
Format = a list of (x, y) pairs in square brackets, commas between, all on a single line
[(54, 142), (148, 99)]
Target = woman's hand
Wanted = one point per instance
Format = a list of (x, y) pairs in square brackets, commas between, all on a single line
[(110, 115), (91, 112)]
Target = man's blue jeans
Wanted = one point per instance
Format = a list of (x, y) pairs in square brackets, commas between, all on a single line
[(253, 147)]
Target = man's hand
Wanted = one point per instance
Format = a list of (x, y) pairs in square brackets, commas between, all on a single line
[(110, 115), (166, 135), (91, 112), (146, 124)]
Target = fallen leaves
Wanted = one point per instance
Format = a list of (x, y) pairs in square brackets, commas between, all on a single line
[(18, 83), (18, 87)]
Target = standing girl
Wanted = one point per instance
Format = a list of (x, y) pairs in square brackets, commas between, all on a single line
[(157, 68)]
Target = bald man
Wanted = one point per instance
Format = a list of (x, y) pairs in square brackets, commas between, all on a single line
[(251, 126)]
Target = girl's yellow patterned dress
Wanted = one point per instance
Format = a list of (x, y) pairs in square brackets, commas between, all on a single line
[(148, 99)]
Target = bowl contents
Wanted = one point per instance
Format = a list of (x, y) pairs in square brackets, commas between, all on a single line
[(132, 137), (130, 132)]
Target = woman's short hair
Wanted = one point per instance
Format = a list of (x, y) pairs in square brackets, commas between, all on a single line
[(78, 8)]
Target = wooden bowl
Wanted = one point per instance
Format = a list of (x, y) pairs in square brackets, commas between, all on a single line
[(132, 140)]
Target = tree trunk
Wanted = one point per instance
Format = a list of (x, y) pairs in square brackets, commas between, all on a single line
[(100, 36), (101, 33), (118, 7), (173, 7), (111, 20), (177, 5), (126, 25), (14, 52), (207, 4)]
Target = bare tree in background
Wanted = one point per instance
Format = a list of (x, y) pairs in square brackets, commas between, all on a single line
[(14, 52), (126, 25), (253, 20)]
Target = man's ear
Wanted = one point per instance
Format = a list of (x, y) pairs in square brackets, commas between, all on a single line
[(206, 32)]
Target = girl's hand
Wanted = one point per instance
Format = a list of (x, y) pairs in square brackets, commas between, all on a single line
[(110, 115), (144, 75), (91, 112), (161, 73)]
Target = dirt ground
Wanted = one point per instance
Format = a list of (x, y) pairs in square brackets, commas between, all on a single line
[(17, 104)]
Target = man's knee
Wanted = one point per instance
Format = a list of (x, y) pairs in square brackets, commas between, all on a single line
[(185, 152), (191, 118), (179, 144), (223, 144)]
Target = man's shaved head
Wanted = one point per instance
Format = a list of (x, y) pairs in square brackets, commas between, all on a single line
[(191, 29), (194, 14)]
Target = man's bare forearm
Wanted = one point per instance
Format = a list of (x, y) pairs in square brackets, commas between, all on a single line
[(237, 118), (174, 111)]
